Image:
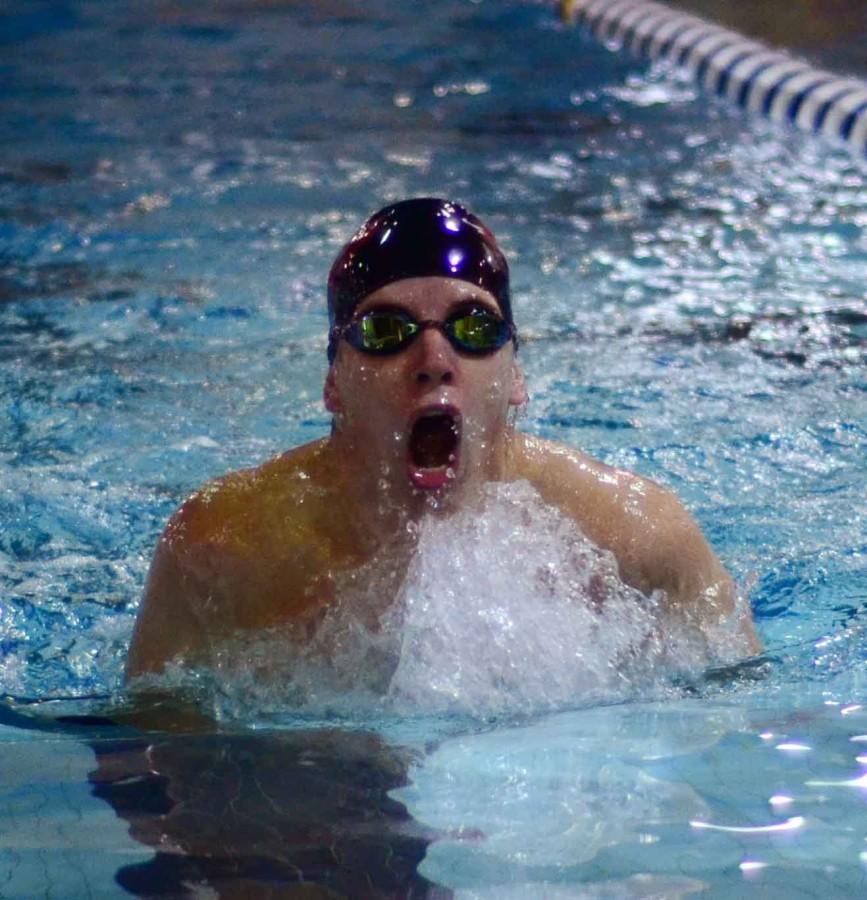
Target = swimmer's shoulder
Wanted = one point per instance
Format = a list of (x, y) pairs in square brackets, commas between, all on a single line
[(239, 507), (244, 551), (640, 521), (588, 485), (657, 543)]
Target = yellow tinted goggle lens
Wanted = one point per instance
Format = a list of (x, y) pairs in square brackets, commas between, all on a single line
[(477, 331), (385, 332)]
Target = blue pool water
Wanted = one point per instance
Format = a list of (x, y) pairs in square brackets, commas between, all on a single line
[(173, 185)]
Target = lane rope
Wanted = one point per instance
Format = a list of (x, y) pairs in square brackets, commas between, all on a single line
[(761, 80)]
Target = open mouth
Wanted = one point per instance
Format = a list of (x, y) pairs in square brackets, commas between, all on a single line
[(434, 441)]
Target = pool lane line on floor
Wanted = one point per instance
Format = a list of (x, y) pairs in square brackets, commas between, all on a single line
[(746, 72)]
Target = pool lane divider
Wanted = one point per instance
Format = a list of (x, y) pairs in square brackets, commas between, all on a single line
[(745, 72)]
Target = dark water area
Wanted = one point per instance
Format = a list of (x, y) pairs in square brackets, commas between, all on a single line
[(265, 815), (830, 33)]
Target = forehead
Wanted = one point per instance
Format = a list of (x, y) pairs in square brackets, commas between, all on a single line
[(433, 294)]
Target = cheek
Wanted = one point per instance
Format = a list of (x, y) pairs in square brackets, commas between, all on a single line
[(356, 380), (500, 386), (489, 398), (365, 392)]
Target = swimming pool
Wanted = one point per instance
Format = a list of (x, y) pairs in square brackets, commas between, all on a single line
[(691, 287)]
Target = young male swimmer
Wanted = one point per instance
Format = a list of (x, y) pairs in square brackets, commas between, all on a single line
[(423, 373)]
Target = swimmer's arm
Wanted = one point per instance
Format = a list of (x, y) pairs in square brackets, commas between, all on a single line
[(677, 559), (657, 543), (167, 626)]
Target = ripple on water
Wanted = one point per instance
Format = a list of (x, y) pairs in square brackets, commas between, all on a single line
[(691, 282)]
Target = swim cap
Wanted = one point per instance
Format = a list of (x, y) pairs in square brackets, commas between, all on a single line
[(411, 239)]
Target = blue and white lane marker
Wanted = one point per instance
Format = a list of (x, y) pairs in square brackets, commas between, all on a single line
[(746, 72)]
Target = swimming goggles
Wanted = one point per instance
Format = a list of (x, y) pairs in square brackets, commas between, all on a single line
[(475, 331)]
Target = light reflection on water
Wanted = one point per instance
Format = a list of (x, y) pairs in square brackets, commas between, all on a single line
[(643, 800), (690, 285)]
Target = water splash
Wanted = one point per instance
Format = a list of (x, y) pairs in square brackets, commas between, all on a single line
[(506, 608)]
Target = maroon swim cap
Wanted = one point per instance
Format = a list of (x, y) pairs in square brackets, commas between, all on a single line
[(416, 238)]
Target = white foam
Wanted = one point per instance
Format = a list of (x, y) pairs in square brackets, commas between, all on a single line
[(503, 608), (513, 608)]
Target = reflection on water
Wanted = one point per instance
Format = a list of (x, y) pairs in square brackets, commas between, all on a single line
[(675, 800), (260, 814), (629, 801)]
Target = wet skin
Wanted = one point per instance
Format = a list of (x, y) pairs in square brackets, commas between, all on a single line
[(271, 547)]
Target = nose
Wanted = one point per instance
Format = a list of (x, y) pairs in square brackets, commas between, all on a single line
[(434, 359)]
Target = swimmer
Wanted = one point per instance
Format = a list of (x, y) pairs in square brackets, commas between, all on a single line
[(423, 375)]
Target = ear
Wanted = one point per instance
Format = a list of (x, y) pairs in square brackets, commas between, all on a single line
[(518, 393), (330, 394)]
